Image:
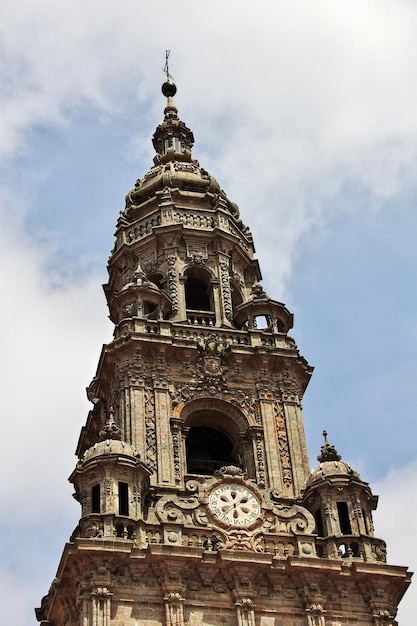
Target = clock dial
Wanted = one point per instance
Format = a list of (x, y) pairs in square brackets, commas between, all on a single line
[(234, 505)]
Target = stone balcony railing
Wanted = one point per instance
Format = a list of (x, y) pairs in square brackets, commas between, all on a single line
[(363, 548), (200, 326), (201, 318)]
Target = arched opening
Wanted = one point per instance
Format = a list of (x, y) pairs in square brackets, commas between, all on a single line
[(198, 293), (208, 450), (123, 499), (157, 279), (261, 322), (95, 499), (216, 436), (344, 521), (150, 309), (237, 297), (319, 523)]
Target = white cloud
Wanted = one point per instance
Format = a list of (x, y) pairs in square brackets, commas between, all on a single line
[(393, 523), (52, 330)]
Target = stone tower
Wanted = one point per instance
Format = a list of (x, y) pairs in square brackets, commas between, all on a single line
[(197, 501)]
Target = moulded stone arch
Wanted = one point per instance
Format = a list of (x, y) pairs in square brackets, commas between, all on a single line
[(237, 423), (199, 270)]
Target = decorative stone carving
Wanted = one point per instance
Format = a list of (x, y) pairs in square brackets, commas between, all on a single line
[(110, 430), (197, 254), (383, 617), (289, 518), (315, 615), (284, 449), (176, 447), (101, 606), (379, 550), (172, 282), (173, 509), (174, 612), (245, 612), (227, 295), (150, 427), (258, 436), (91, 528)]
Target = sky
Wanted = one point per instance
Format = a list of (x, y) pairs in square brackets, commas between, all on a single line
[(305, 112)]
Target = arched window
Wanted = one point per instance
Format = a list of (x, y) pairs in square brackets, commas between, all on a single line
[(95, 499), (208, 450), (198, 292), (344, 521), (237, 297), (156, 279), (319, 523), (123, 499), (196, 295)]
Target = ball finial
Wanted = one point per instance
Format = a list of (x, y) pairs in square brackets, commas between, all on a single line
[(169, 89)]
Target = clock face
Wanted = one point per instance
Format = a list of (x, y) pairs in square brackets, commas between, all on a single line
[(234, 505)]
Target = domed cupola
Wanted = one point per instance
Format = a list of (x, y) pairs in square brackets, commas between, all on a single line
[(342, 504), (110, 481)]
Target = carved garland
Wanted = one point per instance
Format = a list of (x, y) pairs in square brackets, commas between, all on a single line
[(227, 296), (284, 450), (260, 456), (176, 438), (172, 282), (150, 429)]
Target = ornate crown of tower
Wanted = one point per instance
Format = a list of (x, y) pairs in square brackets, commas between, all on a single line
[(197, 502)]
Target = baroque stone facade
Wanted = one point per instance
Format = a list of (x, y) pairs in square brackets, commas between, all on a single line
[(197, 501)]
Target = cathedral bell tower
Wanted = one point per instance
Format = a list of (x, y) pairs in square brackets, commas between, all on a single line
[(197, 501)]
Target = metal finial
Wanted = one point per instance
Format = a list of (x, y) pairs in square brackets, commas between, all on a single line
[(169, 88), (169, 76), (166, 66)]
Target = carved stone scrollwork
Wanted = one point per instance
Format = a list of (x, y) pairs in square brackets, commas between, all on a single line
[(182, 394), (379, 550), (91, 528), (177, 510), (292, 519)]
